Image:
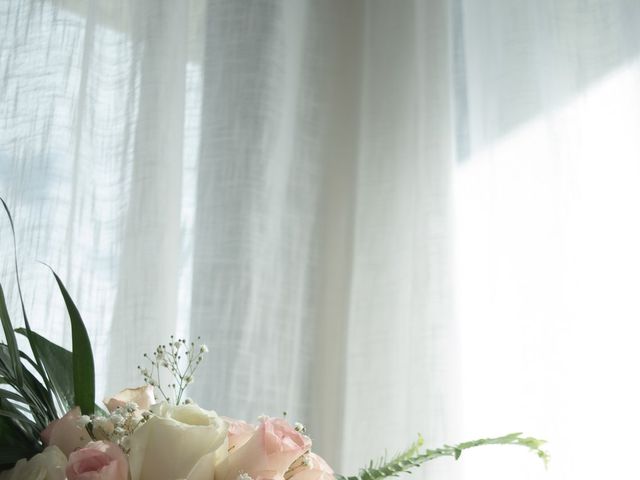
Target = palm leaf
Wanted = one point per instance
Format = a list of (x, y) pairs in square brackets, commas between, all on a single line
[(28, 427), (58, 364), (32, 391), (15, 443), (9, 395)]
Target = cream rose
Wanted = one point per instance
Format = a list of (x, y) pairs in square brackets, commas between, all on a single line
[(172, 443), (203, 470), (48, 465)]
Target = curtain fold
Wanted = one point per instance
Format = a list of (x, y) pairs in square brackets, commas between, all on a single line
[(149, 263), (399, 319)]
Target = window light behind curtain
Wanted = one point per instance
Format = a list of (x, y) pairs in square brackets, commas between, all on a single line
[(382, 217)]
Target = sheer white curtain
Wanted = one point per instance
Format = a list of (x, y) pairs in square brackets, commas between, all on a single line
[(382, 217), (260, 174)]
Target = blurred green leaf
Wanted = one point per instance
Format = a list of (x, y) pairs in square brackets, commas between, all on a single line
[(12, 396), (12, 449), (25, 425), (14, 443), (12, 344), (412, 457), (101, 411), (19, 417)]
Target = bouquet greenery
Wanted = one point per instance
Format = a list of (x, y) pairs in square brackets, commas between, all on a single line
[(52, 429)]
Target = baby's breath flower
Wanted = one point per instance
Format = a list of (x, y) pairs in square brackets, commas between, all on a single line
[(125, 443), (116, 419), (180, 360), (101, 424), (119, 425), (83, 421)]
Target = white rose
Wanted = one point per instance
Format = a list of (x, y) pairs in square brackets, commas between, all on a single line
[(174, 441), (48, 465)]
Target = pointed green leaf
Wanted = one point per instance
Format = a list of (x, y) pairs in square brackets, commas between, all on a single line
[(82, 356)]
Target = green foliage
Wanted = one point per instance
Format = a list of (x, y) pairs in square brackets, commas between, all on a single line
[(25, 410), (14, 365), (38, 387), (413, 457), (14, 442)]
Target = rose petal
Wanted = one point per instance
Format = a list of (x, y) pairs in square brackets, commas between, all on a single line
[(98, 461), (141, 396), (66, 433), (174, 440)]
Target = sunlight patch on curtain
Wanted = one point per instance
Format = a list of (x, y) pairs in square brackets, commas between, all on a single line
[(548, 282)]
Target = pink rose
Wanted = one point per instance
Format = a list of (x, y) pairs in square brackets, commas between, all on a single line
[(273, 447), (239, 432), (141, 396), (98, 461), (66, 432), (310, 467)]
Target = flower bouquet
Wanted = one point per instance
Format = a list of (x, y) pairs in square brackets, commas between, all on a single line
[(52, 429)]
